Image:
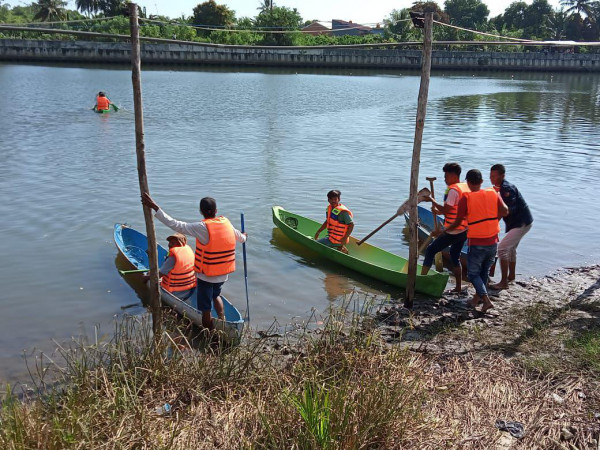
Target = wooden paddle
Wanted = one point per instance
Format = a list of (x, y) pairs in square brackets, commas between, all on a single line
[(125, 272), (245, 274), (401, 210), (439, 265)]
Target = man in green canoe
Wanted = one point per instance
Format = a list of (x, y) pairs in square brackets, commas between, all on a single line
[(338, 221)]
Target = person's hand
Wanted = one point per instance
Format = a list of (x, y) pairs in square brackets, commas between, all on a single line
[(245, 234), (436, 233), (147, 201), (427, 198)]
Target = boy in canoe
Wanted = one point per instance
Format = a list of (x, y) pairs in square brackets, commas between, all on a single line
[(338, 221), (215, 253), (177, 272), (454, 238), (102, 102)]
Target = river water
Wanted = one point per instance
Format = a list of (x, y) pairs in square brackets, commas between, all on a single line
[(254, 139)]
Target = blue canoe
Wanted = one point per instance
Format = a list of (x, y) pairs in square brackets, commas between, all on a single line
[(133, 245), (426, 226)]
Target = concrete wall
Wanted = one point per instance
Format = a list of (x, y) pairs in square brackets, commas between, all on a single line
[(185, 54)]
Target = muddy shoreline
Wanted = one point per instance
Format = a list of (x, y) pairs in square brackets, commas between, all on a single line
[(571, 291)]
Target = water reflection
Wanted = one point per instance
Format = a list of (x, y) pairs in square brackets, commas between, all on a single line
[(338, 280), (522, 107)]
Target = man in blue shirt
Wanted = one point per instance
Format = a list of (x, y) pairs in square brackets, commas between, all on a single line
[(518, 222)]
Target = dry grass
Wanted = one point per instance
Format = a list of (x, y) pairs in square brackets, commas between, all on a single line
[(340, 387)]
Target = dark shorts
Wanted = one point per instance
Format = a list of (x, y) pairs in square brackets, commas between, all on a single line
[(455, 241), (205, 294)]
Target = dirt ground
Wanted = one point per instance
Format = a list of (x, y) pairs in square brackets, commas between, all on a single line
[(571, 297)]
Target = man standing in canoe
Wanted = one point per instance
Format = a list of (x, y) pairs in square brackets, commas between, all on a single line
[(102, 102), (215, 253), (456, 237), (518, 222), (482, 208), (338, 221)]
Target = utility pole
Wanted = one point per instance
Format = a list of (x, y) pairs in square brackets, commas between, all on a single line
[(155, 304), (413, 254)]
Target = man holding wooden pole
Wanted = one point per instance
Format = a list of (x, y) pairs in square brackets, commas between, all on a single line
[(455, 238)]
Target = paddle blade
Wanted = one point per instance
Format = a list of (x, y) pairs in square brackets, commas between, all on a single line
[(421, 196), (114, 107)]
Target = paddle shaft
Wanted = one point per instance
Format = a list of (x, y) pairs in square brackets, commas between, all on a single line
[(125, 272), (435, 221), (245, 273), (420, 195), (377, 229)]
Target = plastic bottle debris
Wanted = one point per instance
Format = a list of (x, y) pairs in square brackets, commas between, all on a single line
[(163, 410)]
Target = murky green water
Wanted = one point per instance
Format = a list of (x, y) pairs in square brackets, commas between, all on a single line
[(253, 140)]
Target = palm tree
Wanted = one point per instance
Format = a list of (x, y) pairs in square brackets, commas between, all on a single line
[(89, 6), (579, 6), (266, 5), (48, 10), (556, 25)]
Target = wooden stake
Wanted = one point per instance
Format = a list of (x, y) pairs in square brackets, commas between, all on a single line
[(413, 253), (155, 305)]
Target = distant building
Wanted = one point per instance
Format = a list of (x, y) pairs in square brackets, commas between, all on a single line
[(343, 27), (317, 28)]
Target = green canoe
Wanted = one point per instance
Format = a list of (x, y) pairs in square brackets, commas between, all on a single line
[(366, 259), (113, 107)]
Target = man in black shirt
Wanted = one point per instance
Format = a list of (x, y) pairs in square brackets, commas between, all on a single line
[(518, 222)]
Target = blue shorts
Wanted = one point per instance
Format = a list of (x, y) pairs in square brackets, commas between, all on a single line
[(328, 243), (205, 294)]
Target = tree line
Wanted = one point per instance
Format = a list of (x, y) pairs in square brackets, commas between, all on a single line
[(575, 20)]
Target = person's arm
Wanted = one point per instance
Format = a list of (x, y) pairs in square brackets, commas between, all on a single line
[(321, 229), (444, 209), (346, 236), (239, 236), (503, 210), (166, 267), (461, 214), (509, 197), (194, 229)]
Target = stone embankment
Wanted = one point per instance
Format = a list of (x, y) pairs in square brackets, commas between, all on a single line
[(203, 54)]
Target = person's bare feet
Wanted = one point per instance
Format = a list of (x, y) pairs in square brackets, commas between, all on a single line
[(499, 286), (476, 300), (487, 305)]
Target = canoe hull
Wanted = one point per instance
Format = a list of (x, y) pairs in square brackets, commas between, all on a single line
[(133, 245), (366, 259)]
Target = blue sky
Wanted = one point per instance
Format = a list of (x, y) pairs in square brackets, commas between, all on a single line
[(359, 11)]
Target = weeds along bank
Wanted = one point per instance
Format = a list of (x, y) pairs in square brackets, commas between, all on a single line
[(339, 386)]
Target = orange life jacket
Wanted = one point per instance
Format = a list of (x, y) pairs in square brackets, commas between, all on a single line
[(335, 228), (218, 256), (450, 217), (182, 276), (482, 213), (102, 103)]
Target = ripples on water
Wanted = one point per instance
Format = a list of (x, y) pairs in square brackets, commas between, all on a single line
[(253, 140)]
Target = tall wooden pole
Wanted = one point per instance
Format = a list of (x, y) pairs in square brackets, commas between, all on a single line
[(413, 253), (155, 305)]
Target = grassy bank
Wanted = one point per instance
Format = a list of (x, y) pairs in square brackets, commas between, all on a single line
[(339, 386)]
